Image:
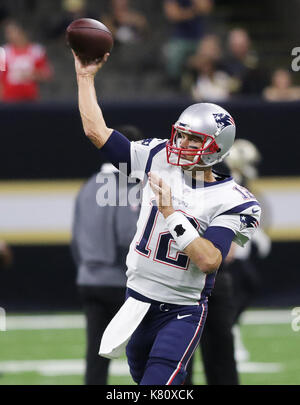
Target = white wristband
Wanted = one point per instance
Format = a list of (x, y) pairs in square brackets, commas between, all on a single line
[(181, 229)]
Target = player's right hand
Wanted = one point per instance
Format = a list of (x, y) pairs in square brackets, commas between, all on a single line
[(163, 194), (90, 69)]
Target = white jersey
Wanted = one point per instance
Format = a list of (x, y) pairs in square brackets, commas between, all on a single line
[(157, 268)]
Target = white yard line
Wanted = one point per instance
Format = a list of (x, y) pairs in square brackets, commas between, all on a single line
[(77, 321), (117, 367), (267, 317), (58, 367), (45, 322)]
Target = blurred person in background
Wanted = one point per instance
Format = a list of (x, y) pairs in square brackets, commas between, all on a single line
[(189, 20), (100, 241), (27, 65), (242, 163), (126, 24), (281, 88), (236, 284), (6, 256), (219, 361), (70, 10), (242, 63), (210, 82), (217, 341)]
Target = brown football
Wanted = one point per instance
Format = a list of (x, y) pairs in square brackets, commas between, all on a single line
[(89, 39)]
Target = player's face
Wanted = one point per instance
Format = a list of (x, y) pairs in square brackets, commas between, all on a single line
[(187, 141)]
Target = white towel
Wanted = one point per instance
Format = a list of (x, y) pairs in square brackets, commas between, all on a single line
[(121, 327)]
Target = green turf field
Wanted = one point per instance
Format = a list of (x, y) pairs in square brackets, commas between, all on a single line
[(33, 356)]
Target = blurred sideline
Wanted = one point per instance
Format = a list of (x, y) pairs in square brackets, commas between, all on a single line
[(76, 321)]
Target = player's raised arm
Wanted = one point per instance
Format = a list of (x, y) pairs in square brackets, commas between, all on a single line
[(91, 115)]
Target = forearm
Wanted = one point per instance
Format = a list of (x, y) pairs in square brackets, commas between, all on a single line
[(204, 254), (201, 251), (91, 115)]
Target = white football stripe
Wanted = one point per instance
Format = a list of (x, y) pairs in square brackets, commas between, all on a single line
[(77, 321), (117, 367)]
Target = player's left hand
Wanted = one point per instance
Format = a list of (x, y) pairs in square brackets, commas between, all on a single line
[(163, 194)]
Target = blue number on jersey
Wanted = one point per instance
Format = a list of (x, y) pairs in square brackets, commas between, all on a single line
[(163, 243), (244, 192)]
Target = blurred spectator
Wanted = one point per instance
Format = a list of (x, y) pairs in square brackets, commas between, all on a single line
[(236, 284), (127, 25), (242, 63), (6, 256), (71, 10), (26, 66), (189, 19), (242, 162), (101, 236), (217, 343), (281, 88), (211, 82)]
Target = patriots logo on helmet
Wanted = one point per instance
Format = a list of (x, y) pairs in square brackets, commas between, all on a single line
[(223, 120), (248, 222)]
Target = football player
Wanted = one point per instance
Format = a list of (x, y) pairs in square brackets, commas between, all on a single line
[(189, 217)]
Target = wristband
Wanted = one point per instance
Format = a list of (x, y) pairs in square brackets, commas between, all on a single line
[(181, 229)]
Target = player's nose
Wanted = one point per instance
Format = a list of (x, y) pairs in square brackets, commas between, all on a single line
[(184, 143)]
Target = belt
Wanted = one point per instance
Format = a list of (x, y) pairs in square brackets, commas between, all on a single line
[(163, 306)]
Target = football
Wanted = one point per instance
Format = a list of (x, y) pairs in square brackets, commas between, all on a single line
[(89, 39)]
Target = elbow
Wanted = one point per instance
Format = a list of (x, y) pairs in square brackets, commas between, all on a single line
[(97, 138), (90, 134), (94, 138), (210, 264)]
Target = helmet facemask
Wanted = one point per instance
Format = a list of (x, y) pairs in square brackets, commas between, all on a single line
[(176, 155)]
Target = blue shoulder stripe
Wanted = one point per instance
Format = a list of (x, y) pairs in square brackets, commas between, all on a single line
[(153, 152), (239, 208)]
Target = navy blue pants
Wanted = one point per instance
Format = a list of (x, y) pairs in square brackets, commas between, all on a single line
[(162, 345)]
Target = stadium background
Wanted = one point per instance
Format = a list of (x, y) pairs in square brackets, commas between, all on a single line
[(45, 157)]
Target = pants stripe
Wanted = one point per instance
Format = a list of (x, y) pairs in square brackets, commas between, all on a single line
[(171, 379)]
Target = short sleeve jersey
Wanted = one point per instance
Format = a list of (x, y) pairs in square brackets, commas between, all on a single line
[(156, 266)]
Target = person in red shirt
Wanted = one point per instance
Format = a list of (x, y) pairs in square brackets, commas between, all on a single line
[(26, 65)]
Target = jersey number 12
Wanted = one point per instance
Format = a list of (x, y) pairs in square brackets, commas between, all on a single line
[(164, 243)]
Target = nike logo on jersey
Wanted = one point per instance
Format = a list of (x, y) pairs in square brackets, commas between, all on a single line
[(183, 316), (254, 211)]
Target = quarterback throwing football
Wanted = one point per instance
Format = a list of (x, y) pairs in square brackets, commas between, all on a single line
[(189, 217)]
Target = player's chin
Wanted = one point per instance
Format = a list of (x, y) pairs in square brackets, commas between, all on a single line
[(186, 160), (185, 167)]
